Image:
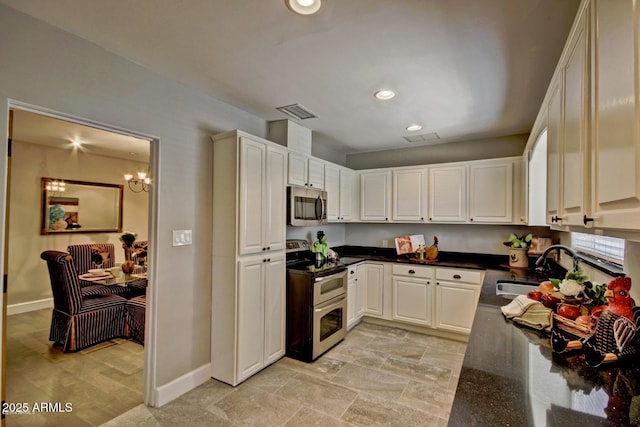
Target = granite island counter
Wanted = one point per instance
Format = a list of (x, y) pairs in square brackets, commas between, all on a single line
[(511, 377)]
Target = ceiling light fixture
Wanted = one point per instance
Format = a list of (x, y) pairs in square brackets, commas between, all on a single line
[(413, 128), (384, 94), (139, 184), (303, 7)]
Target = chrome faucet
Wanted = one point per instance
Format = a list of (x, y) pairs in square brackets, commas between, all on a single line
[(542, 261)]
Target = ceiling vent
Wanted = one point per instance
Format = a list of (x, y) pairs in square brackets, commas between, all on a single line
[(297, 111), (425, 137)]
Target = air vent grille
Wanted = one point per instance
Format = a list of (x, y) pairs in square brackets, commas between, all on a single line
[(423, 138), (297, 111)]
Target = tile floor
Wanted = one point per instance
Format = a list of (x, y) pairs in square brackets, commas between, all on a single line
[(100, 382), (378, 376)]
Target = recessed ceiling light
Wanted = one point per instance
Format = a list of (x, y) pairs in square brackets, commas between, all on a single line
[(384, 94), (303, 7), (413, 128)]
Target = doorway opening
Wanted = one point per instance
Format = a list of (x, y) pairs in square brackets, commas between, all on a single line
[(101, 381)]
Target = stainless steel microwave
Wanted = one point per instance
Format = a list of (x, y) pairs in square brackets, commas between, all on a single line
[(306, 206)]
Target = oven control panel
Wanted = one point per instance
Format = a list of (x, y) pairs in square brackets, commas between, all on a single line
[(294, 245)]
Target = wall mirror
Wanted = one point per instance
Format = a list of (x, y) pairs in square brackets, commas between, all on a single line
[(80, 207)]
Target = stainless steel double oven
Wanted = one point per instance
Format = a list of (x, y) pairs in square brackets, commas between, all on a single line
[(316, 308)]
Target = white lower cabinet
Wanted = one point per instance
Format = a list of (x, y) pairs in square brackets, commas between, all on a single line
[(413, 294), (355, 295), (259, 339), (456, 296), (372, 277)]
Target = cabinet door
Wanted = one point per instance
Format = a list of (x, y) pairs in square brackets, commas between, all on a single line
[(333, 189), (250, 315), (274, 211), (361, 278), (316, 174), (346, 194), (554, 136), (274, 308), (409, 194), (354, 311), (412, 300), (456, 305), (297, 170), (375, 192), (252, 172), (616, 145), (574, 142), (373, 278), (491, 192), (448, 194)]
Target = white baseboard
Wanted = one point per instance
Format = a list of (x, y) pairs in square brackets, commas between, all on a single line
[(25, 307), (176, 388)]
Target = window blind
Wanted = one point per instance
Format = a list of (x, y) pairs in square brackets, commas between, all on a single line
[(608, 248)]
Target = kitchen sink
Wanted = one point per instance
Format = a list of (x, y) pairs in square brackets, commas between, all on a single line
[(513, 288)]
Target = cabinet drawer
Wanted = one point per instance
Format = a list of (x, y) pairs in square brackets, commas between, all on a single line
[(457, 275), (412, 270)]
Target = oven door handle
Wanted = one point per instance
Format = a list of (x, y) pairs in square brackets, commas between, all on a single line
[(329, 277), (329, 305)]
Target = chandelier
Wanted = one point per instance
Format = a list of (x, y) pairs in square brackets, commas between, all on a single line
[(139, 184)]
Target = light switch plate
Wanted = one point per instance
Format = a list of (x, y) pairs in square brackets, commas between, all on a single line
[(182, 237)]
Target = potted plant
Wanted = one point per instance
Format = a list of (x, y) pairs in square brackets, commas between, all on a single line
[(518, 250), (127, 240)]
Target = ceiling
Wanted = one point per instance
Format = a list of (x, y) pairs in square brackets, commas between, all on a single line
[(39, 129), (464, 69)]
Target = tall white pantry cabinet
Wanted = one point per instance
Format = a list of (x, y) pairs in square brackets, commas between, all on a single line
[(248, 292)]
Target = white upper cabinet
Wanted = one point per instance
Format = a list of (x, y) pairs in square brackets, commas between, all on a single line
[(305, 171), (593, 121), (375, 195), (448, 193), (554, 138), (262, 193), (338, 183), (347, 180), (574, 127), (491, 191), (409, 194), (616, 116)]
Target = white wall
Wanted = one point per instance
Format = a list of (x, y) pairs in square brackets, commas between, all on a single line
[(472, 238), (28, 278), (505, 146), (335, 233), (47, 67)]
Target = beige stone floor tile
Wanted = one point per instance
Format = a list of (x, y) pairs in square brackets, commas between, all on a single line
[(140, 416), (381, 384), (270, 380), (325, 367), (372, 411), (307, 417), (359, 355), (380, 331), (206, 394), (417, 371), (428, 397), (250, 406), (318, 394), (404, 348), (184, 414)]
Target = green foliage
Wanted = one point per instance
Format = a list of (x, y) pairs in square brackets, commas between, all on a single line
[(595, 291), (523, 241)]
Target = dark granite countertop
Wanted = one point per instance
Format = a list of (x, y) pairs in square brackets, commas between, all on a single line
[(511, 377)]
